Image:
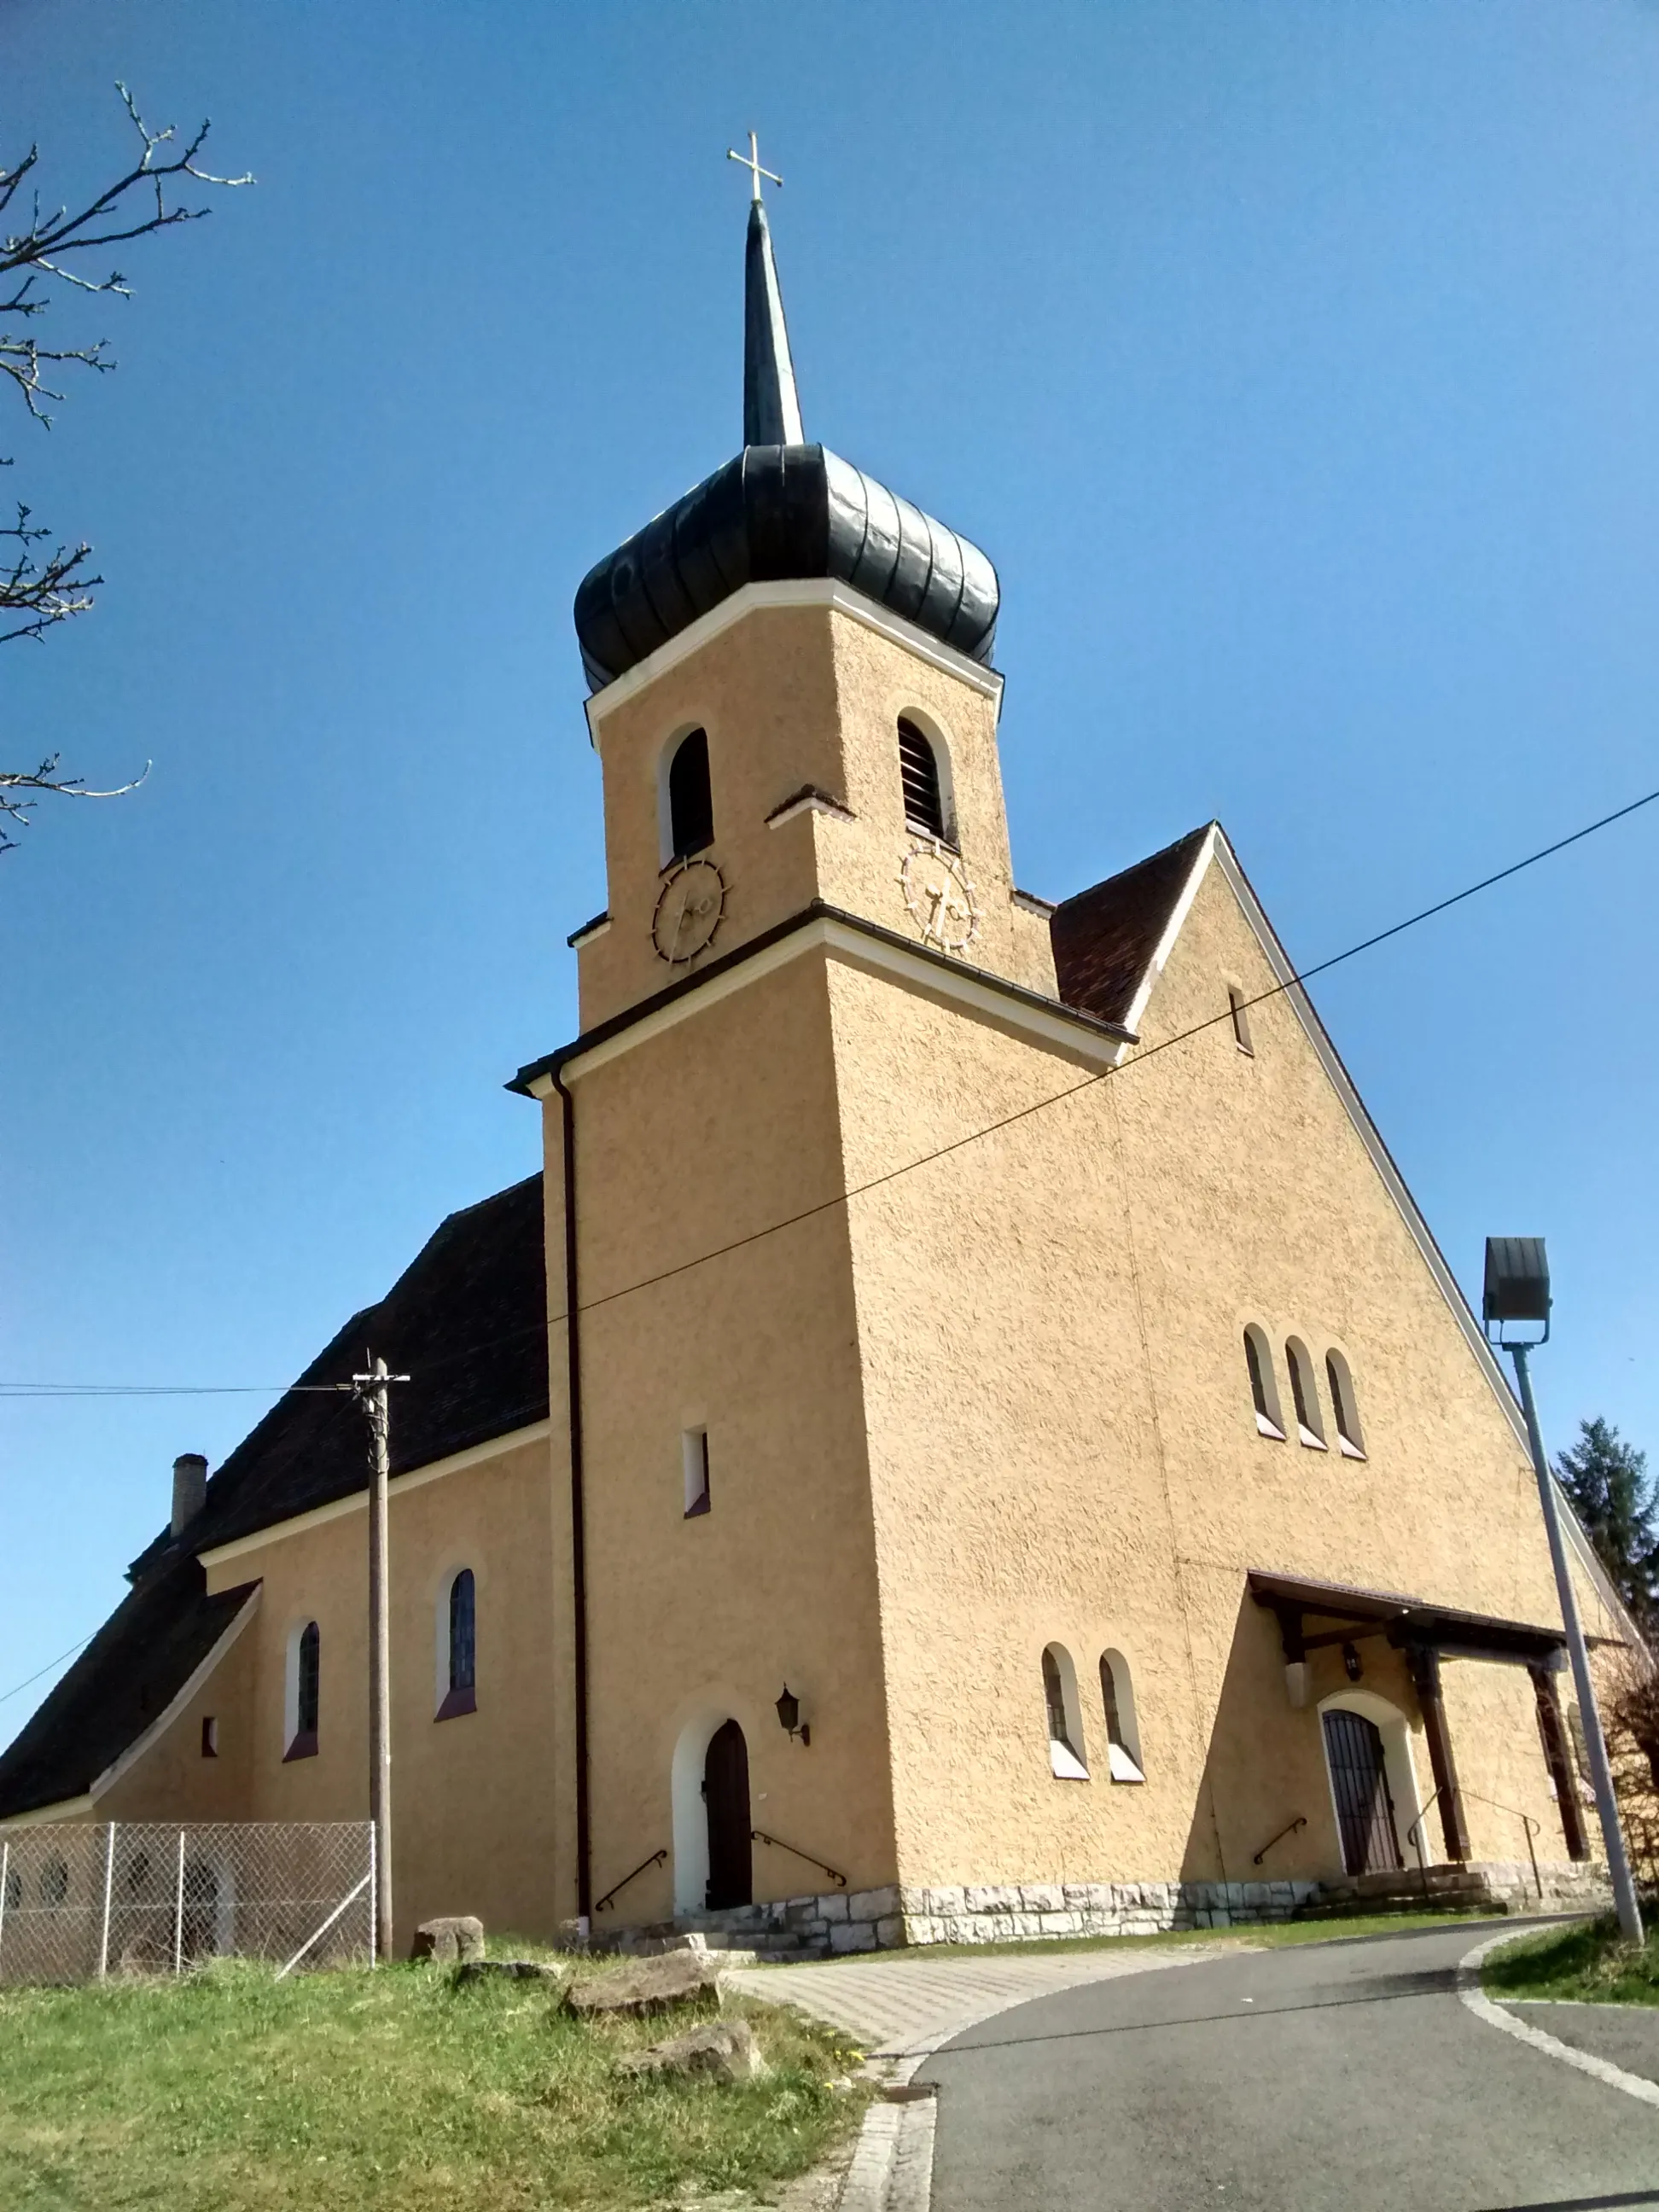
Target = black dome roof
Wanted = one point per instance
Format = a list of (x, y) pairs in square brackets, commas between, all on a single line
[(780, 509)]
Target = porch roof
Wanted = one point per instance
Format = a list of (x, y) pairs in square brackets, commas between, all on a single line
[(1407, 1622)]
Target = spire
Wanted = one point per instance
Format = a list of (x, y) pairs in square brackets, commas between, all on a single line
[(771, 410)]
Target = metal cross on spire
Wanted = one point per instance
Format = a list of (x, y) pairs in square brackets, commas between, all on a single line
[(751, 162)]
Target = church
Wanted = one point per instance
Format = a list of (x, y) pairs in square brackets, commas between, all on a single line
[(967, 1435)]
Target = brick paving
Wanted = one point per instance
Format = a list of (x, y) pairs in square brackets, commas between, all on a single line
[(904, 2005)]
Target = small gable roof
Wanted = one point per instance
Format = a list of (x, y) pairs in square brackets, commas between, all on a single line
[(121, 1684), (1106, 938), (466, 1321)]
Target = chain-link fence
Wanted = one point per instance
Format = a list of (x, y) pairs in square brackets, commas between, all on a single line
[(81, 1902)]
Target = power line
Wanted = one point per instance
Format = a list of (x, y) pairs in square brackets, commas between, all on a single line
[(890, 1175), (171, 1389), (17, 1688), (1121, 1068)]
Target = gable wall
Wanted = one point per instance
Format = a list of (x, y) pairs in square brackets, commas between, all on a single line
[(1063, 1445)]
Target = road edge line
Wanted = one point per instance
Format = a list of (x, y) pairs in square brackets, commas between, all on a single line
[(1600, 2070)]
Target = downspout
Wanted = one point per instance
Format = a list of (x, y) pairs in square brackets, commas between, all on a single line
[(578, 1511)]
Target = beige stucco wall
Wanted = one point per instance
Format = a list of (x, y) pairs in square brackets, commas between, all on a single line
[(790, 696), (686, 1143), (472, 1810)]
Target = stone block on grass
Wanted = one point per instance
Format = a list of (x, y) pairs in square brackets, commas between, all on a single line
[(648, 1985), (456, 1938), (721, 2051)]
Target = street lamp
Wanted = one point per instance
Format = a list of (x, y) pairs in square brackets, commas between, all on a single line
[(1517, 1291)]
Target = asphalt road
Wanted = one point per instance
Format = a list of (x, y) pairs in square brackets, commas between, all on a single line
[(1320, 2078)]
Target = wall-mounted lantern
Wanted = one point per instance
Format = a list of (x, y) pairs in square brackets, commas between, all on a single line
[(1350, 1664), (789, 1719)]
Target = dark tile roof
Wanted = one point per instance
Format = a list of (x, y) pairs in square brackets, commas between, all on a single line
[(466, 1321), (121, 1684), (1104, 939)]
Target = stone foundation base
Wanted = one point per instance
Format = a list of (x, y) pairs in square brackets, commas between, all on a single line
[(1567, 1886), (893, 1919)]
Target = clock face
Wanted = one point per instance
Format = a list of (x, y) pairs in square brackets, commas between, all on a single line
[(942, 902), (690, 908)]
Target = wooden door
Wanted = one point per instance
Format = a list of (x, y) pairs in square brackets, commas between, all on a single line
[(1365, 1810), (726, 1792)]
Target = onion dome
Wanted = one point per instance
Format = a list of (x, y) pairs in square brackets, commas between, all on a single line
[(783, 509)]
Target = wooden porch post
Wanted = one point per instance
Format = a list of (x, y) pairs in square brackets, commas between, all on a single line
[(1425, 1677), (1562, 1771)]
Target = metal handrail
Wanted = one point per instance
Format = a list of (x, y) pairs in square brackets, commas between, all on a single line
[(760, 1836), (1290, 1829), (657, 1859), (1531, 1826)]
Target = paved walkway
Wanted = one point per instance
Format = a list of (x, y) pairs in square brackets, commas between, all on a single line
[(905, 2005), (1310, 2079)]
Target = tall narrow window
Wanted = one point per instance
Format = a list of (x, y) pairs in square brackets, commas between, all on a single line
[(923, 799), (1345, 1413), (1240, 1014), (1065, 1724), (1310, 1426), (210, 1735), (461, 1695), (694, 1452), (1122, 1738), (690, 800), (1263, 1396), (305, 1680)]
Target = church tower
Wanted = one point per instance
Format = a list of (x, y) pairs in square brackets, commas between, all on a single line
[(794, 708)]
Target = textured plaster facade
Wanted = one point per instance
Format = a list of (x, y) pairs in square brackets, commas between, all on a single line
[(967, 1395)]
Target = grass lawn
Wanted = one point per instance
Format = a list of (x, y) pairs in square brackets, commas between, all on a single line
[(232, 2091), (1268, 1935), (1589, 1961)]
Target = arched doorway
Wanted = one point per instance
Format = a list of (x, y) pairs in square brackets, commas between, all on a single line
[(1359, 1784), (726, 1796)]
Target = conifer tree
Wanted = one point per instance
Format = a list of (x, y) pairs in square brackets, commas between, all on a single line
[(1615, 1500)]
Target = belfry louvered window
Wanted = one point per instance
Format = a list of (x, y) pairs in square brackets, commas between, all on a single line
[(923, 799)]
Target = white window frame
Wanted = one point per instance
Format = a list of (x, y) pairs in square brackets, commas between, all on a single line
[(1068, 1756), (1272, 1423), (1123, 1758), (1299, 1360)]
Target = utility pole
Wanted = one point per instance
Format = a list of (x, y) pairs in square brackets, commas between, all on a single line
[(372, 1396), (1607, 1804)]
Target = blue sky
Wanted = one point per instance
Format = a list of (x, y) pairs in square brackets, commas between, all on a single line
[(1296, 363)]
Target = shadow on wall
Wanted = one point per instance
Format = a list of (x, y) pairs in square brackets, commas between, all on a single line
[(1264, 1766)]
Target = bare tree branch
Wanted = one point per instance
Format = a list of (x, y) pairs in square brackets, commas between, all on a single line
[(39, 592), (46, 778), (40, 588)]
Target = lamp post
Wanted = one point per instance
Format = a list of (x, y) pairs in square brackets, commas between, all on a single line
[(1517, 1289)]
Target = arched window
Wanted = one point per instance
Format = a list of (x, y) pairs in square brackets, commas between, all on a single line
[(1350, 1441), (1264, 1394), (1309, 1422), (924, 795), (459, 1629), (1065, 1722), (303, 1685), (1238, 1006), (1122, 1737), (690, 800)]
